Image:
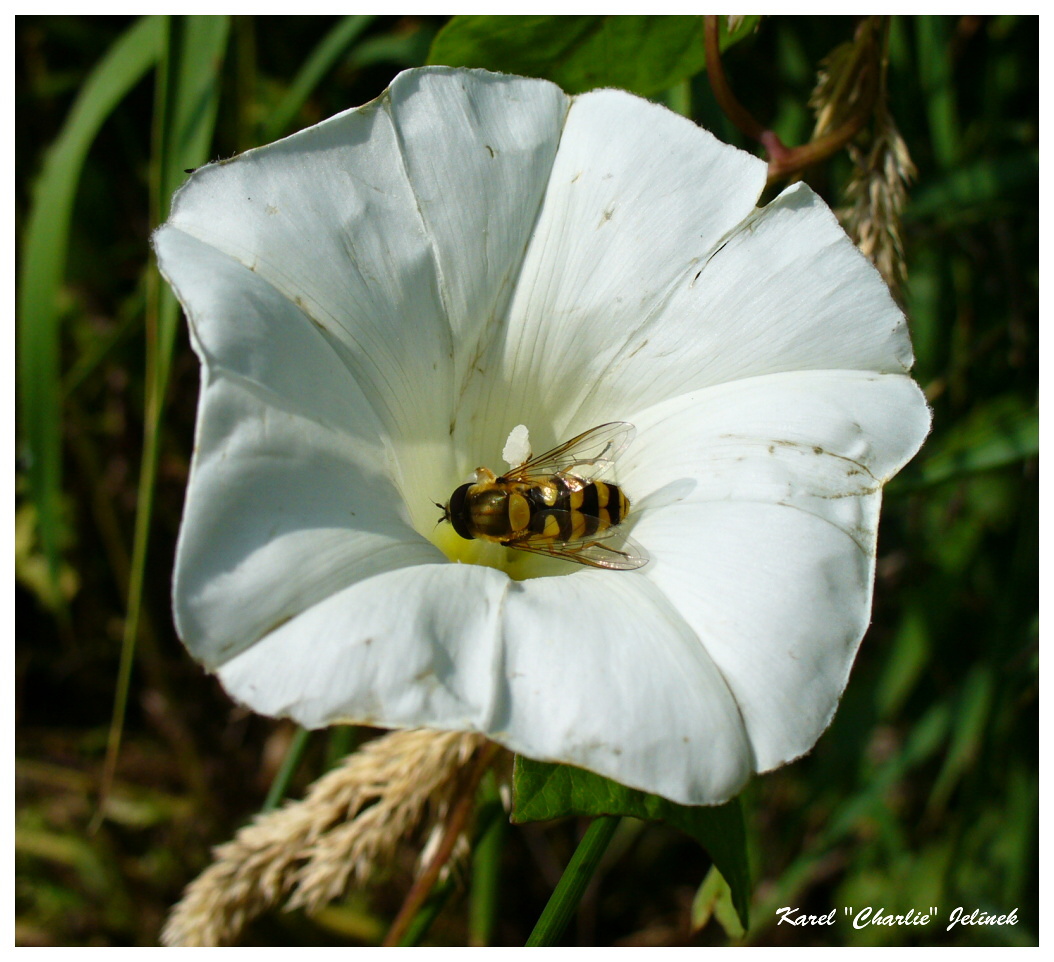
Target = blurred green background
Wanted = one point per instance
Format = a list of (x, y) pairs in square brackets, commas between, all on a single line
[(924, 792)]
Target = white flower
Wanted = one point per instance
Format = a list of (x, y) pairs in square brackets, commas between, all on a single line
[(377, 301)]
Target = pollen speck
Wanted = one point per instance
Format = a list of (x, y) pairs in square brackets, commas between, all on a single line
[(518, 447)]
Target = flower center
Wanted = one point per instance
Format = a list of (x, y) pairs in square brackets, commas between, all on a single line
[(518, 565)]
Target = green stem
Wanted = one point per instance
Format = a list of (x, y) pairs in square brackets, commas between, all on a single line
[(429, 911), (486, 867), (490, 820), (679, 98), (342, 741), (285, 773), (569, 890), (455, 825)]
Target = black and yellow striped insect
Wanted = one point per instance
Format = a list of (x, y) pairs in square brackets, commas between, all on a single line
[(555, 504)]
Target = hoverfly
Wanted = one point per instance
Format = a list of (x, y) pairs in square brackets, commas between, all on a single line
[(554, 504)]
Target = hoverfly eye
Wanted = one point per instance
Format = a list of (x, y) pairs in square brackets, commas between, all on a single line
[(457, 500), (455, 511)]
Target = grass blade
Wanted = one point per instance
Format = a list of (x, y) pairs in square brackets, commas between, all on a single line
[(44, 267), (319, 63), (188, 100)]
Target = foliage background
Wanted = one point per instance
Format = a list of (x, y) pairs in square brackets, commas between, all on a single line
[(925, 790)]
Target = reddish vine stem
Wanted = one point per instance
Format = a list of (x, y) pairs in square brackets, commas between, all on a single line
[(456, 821), (783, 160), (715, 71)]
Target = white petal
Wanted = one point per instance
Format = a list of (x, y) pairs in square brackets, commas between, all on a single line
[(478, 148), (592, 670), (779, 598), (406, 648), (245, 329), (786, 291), (637, 197), (280, 513), (398, 229), (758, 502), (292, 495), (603, 672), (328, 218), (796, 436)]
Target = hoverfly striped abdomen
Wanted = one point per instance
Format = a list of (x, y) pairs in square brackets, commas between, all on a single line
[(605, 502), (578, 510)]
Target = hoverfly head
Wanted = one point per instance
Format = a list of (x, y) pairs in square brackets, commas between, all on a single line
[(454, 511)]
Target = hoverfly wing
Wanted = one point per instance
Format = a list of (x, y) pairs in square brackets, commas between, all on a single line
[(586, 456), (611, 548)]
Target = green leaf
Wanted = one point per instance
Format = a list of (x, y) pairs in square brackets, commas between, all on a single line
[(646, 55), (543, 791), (44, 267), (909, 655), (973, 711)]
